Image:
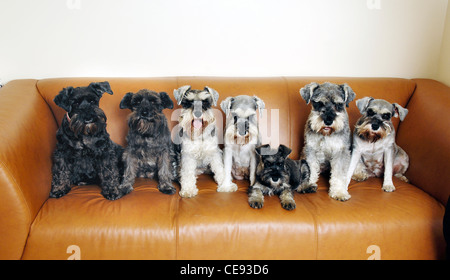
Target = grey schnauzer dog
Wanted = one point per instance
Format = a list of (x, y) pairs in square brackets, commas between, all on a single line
[(374, 149), (150, 151), (277, 174), (84, 152), (241, 137), (327, 136), (199, 147)]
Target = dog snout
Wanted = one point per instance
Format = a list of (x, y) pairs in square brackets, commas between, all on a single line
[(242, 128), (328, 121), (198, 109), (145, 113), (328, 117), (198, 114), (375, 126)]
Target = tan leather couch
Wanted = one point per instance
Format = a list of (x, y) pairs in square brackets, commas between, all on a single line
[(146, 224)]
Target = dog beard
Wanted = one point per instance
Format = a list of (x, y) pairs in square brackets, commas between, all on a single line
[(145, 126), (318, 126), (267, 175), (78, 126), (195, 127), (232, 136), (365, 132)]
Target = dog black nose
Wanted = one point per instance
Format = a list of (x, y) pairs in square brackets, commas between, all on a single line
[(197, 114), (328, 121), (375, 126), (144, 113)]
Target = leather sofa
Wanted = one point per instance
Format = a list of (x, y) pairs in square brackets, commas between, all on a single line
[(146, 224)]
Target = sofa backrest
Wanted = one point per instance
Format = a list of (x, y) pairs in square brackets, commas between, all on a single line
[(281, 93)]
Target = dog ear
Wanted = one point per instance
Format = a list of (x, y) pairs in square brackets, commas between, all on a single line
[(225, 105), (307, 91), (263, 150), (166, 101), (126, 101), (284, 151), (100, 88), (259, 105), (214, 94), (63, 100), (399, 111), (363, 103), (349, 94), (180, 93)]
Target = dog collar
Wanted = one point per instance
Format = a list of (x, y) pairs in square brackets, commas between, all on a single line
[(67, 116)]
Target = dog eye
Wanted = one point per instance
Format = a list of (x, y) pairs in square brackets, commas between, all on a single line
[(370, 112), (317, 105), (386, 116), (339, 106), (235, 119)]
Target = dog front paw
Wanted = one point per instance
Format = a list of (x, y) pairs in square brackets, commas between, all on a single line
[(256, 203), (188, 192), (307, 188), (230, 187), (388, 188), (166, 188), (288, 205), (341, 195)]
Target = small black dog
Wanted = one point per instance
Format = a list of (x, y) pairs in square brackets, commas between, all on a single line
[(277, 174), (150, 151), (84, 152)]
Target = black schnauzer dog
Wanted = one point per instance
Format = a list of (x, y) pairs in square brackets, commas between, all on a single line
[(277, 174), (84, 151), (150, 151)]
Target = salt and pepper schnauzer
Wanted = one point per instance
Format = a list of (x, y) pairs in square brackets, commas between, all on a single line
[(199, 142), (150, 152), (374, 148), (241, 137), (277, 174), (327, 136), (84, 152)]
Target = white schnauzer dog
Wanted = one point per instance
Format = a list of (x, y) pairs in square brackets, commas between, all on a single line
[(327, 136), (199, 149), (374, 148), (241, 137)]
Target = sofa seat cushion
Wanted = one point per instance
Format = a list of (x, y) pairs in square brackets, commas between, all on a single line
[(140, 225), (146, 224)]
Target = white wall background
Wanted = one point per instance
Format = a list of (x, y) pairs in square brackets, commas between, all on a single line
[(81, 38)]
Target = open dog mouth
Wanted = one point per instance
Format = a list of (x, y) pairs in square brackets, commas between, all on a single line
[(198, 123)]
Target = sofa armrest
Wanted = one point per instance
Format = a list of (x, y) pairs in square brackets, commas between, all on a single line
[(425, 136), (27, 139)]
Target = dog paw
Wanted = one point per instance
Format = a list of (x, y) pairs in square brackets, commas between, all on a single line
[(167, 188), (256, 203), (288, 205), (360, 176), (341, 195), (307, 188), (112, 195), (388, 188), (230, 187), (188, 192)]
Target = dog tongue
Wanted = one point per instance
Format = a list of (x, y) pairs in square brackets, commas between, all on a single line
[(198, 123)]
